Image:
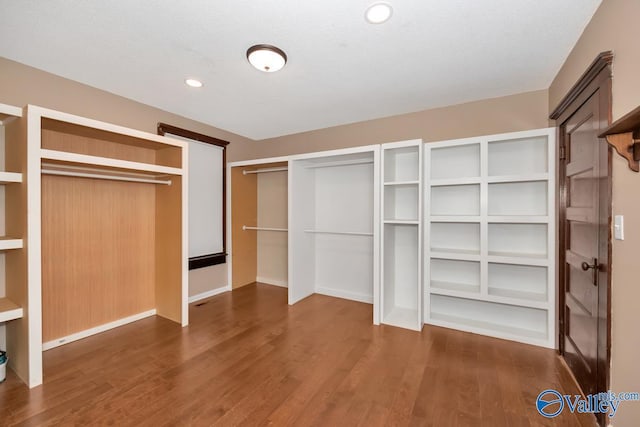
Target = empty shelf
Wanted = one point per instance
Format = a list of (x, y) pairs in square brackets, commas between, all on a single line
[(346, 233), (9, 310), (7, 243), (391, 183), (403, 318), (437, 285), (477, 325), (402, 221), (522, 295)]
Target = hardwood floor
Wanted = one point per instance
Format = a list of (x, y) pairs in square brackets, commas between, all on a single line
[(247, 358)]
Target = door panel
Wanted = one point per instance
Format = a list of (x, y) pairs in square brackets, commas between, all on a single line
[(581, 243)]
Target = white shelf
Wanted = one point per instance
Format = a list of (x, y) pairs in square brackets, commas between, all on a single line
[(518, 295), (402, 318), (457, 161), (487, 328), (518, 259), (498, 317), (453, 254), (455, 200), (462, 218), (346, 233), (518, 156), (456, 237), (245, 228), (518, 198), (106, 162), (454, 181), (10, 177), (402, 221), (438, 287), (400, 183), (9, 310), (401, 202), (401, 164), (518, 178), (7, 243), (515, 300)]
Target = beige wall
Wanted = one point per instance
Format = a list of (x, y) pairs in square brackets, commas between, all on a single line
[(615, 27), (21, 85), (506, 114)]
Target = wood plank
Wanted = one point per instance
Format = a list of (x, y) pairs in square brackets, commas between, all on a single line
[(98, 252), (247, 358)]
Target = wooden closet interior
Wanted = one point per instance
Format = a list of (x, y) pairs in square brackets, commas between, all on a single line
[(104, 242), (259, 203)]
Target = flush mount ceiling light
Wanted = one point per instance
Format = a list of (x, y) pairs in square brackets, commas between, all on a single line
[(266, 58), (378, 13), (193, 83)]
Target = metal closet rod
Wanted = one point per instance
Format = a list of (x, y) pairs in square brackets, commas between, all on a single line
[(278, 169), (245, 227), (104, 176)]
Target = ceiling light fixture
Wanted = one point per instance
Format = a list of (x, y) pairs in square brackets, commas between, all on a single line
[(378, 13), (266, 58), (193, 83)]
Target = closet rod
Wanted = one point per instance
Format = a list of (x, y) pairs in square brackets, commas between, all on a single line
[(107, 177), (284, 168), (347, 233), (244, 227)]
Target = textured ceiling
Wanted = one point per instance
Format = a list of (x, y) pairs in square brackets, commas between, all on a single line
[(341, 69)]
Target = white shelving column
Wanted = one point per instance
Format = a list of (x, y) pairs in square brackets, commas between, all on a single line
[(490, 236), (401, 269), (11, 287)]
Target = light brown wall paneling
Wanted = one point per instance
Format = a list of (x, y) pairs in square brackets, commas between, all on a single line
[(272, 212), (168, 250), (244, 203), (614, 27), (98, 252)]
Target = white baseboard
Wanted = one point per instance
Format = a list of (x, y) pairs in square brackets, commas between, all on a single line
[(209, 294), (273, 282), (345, 294), (102, 328)]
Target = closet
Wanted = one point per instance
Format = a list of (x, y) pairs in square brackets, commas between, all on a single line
[(106, 229), (13, 258), (258, 211), (333, 225), (401, 236), (490, 235)]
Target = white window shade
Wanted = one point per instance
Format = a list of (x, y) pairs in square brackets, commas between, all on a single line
[(205, 197)]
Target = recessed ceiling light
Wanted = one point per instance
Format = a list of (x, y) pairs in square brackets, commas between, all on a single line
[(193, 83), (378, 13), (266, 58)]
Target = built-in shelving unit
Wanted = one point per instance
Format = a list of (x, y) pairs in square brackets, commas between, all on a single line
[(489, 235), (401, 301), (12, 213), (106, 231)]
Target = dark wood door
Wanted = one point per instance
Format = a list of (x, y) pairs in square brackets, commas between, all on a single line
[(585, 238)]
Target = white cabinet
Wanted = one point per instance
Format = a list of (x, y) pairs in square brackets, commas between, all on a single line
[(490, 237), (401, 301)]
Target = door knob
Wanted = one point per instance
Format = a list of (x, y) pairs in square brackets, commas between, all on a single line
[(586, 266)]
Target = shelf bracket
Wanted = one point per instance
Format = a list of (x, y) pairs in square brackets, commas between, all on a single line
[(624, 136)]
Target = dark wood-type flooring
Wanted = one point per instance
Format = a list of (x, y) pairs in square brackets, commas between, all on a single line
[(249, 359)]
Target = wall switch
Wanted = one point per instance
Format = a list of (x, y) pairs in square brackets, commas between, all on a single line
[(618, 227)]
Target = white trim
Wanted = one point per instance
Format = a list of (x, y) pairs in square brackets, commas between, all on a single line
[(98, 329), (65, 156), (10, 177), (281, 169), (96, 124), (273, 282), (209, 294), (10, 110), (281, 159), (345, 294)]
